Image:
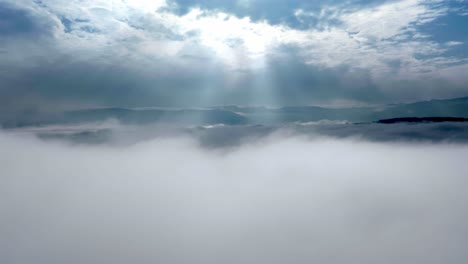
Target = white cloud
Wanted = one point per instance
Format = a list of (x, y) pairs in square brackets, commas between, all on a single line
[(282, 200), (372, 38), (384, 39), (454, 43), (363, 31)]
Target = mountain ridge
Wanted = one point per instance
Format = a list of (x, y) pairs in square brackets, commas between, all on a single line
[(237, 115)]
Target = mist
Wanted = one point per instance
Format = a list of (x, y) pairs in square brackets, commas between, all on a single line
[(280, 199)]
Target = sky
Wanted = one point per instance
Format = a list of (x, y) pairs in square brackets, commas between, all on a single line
[(58, 54)]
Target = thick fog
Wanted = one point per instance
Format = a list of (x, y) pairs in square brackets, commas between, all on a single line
[(281, 199)]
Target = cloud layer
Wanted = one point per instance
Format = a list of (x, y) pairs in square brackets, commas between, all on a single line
[(279, 200)]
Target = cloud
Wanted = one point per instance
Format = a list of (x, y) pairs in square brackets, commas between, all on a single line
[(213, 134), (285, 199), (147, 53), (140, 29), (273, 11), (15, 21)]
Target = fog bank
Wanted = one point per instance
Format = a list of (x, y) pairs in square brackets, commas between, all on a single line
[(278, 200)]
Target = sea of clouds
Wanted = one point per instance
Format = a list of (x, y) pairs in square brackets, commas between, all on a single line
[(279, 199)]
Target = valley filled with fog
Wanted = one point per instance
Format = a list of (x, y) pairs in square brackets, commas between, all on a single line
[(283, 196)]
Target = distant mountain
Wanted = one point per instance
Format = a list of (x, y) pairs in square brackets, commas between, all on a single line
[(138, 117), (435, 108), (236, 115), (422, 120), (147, 116)]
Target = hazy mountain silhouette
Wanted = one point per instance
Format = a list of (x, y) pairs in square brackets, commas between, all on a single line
[(434, 108), (237, 115), (422, 120)]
